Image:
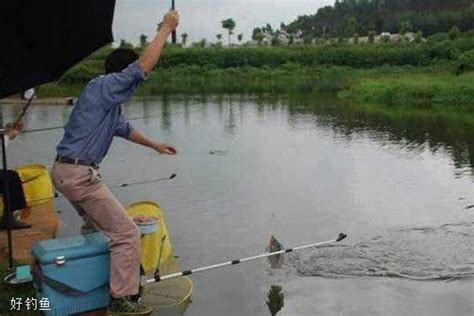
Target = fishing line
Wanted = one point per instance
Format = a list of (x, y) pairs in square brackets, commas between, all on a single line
[(123, 185)]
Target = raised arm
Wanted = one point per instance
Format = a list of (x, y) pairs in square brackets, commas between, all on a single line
[(151, 53)]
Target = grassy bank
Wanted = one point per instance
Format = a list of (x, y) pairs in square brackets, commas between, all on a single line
[(439, 89), (410, 86), (418, 74)]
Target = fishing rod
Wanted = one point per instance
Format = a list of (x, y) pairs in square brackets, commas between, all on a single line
[(171, 177), (158, 278), (123, 185), (59, 195), (62, 126), (25, 109)]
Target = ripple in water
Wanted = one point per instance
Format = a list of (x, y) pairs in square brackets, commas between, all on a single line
[(423, 254)]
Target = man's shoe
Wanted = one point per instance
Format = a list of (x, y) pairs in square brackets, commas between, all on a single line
[(15, 225), (123, 306), (20, 225)]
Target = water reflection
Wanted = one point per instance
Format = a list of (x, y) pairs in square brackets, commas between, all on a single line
[(275, 299), (411, 130)]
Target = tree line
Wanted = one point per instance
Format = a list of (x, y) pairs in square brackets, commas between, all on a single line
[(360, 17)]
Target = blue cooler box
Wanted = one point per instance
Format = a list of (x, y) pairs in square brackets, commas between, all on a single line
[(72, 273)]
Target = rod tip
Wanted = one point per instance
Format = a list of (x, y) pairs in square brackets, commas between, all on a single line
[(341, 237), (173, 176)]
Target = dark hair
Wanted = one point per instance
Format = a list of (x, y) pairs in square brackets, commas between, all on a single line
[(119, 59)]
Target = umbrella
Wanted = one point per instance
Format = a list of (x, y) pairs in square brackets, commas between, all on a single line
[(42, 39)]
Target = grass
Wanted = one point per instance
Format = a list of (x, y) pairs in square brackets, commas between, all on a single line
[(416, 89), (243, 80)]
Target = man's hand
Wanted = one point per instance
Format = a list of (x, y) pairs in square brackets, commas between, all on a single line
[(170, 21), (151, 54), (12, 130), (165, 149)]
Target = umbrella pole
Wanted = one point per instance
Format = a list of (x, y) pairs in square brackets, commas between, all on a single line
[(6, 199), (173, 34)]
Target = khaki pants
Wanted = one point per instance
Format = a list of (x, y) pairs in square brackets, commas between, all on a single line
[(82, 186)]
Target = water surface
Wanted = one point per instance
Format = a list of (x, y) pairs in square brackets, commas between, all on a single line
[(399, 183)]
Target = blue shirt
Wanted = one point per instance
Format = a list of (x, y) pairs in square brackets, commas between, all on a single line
[(97, 115)]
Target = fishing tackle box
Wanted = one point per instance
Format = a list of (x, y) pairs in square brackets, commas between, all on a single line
[(72, 273)]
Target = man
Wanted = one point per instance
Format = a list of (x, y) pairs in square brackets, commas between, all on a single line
[(94, 121), (17, 196)]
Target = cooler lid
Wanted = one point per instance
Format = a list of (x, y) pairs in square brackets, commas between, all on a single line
[(74, 247)]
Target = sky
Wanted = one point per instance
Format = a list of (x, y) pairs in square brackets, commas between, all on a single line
[(202, 18)]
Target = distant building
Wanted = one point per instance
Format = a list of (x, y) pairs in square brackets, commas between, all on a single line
[(394, 38)]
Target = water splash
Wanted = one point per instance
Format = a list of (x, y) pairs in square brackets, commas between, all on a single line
[(438, 253)]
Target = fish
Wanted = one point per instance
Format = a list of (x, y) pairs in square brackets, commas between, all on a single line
[(275, 261)]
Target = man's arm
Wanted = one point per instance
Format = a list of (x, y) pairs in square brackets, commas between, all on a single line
[(138, 138), (151, 53)]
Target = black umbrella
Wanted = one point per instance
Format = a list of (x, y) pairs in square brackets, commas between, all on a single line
[(40, 41)]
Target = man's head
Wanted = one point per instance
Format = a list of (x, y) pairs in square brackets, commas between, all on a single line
[(119, 59)]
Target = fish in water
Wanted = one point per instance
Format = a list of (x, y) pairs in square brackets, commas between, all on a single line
[(275, 261)]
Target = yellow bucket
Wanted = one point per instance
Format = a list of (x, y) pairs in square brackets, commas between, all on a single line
[(170, 297), (151, 244), (37, 185)]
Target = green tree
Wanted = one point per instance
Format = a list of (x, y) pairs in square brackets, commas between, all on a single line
[(351, 28), (219, 37), (229, 24), (240, 37), (259, 37), (405, 27), (143, 41), (276, 299), (385, 39), (276, 41), (184, 39), (308, 39), (291, 39), (125, 44), (454, 33), (371, 38), (202, 43)]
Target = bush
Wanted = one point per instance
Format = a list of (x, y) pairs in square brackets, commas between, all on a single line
[(83, 72), (438, 37), (465, 62)]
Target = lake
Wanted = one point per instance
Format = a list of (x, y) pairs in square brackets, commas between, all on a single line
[(398, 182)]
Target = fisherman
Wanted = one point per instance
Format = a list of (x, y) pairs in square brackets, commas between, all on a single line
[(94, 121), (17, 195)]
